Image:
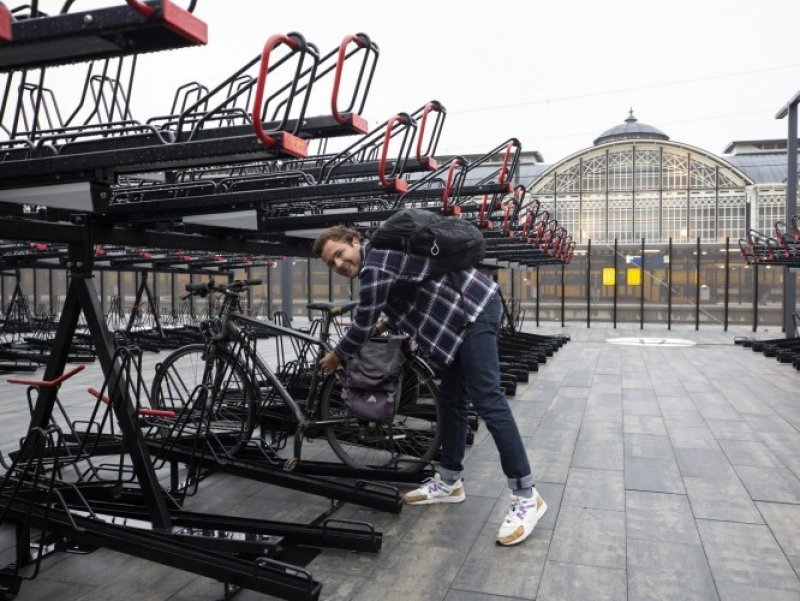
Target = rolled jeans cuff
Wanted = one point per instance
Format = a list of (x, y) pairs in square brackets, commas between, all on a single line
[(519, 483), (448, 475)]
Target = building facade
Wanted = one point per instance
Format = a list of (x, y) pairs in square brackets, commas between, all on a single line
[(658, 225)]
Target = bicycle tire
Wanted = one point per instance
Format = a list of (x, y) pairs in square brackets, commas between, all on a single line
[(230, 414), (408, 443)]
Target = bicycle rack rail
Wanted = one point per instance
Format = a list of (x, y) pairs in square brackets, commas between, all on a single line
[(296, 186), (81, 159), (233, 201), (41, 40), (106, 492)]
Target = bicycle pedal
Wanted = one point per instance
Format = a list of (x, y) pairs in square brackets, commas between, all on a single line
[(290, 464)]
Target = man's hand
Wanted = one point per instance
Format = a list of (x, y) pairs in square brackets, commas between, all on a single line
[(379, 328), (330, 362)]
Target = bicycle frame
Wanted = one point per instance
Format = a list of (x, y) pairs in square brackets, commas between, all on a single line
[(230, 333), (294, 399)]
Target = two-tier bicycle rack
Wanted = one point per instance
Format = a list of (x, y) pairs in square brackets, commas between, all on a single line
[(71, 170), (227, 172)]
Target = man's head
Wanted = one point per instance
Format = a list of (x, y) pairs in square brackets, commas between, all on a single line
[(340, 248)]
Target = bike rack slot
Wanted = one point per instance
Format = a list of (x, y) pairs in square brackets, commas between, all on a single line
[(288, 142), (393, 184), (347, 116), (425, 158)]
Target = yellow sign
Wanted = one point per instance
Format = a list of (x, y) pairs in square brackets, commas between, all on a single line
[(634, 276), (609, 276)]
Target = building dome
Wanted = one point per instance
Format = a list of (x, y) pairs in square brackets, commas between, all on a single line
[(632, 128)]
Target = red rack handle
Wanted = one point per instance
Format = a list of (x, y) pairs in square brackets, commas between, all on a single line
[(501, 179), (156, 412), (141, 411), (482, 214), (291, 144), (100, 397), (48, 383), (507, 207), (394, 184), (6, 33), (426, 161), (357, 122), (176, 19), (448, 187)]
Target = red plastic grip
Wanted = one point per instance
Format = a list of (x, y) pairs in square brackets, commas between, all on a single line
[(501, 179), (156, 412), (176, 19), (6, 33), (508, 205), (428, 162), (448, 186), (355, 121), (483, 218), (526, 225), (48, 383), (291, 144), (396, 184), (100, 397)]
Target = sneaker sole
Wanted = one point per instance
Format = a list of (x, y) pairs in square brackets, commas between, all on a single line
[(525, 535), (437, 501)]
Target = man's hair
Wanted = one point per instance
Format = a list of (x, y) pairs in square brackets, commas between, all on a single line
[(337, 233)]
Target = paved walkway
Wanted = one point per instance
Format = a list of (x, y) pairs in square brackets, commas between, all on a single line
[(671, 472)]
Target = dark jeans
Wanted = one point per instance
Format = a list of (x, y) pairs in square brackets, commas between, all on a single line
[(475, 375)]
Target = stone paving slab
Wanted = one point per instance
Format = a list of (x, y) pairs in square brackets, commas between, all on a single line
[(670, 473)]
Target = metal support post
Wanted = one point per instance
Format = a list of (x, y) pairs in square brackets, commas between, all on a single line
[(82, 296), (790, 278)]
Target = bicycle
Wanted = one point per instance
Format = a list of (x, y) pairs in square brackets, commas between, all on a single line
[(297, 400)]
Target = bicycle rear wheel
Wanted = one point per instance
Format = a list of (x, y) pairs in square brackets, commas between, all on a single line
[(221, 394), (407, 443)]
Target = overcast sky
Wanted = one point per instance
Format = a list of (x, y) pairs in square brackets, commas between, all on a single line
[(553, 73)]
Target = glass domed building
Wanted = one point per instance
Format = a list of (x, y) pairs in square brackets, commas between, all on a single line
[(634, 183), (657, 225)]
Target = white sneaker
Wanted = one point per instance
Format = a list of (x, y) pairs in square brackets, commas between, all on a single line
[(434, 490), (521, 518)]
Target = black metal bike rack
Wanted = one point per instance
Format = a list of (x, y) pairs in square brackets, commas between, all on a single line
[(70, 170)]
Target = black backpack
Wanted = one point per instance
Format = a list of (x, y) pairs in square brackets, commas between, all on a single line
[(452, 243)]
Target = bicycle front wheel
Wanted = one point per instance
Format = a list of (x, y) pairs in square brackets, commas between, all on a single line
[(408, 443), (212, 396)]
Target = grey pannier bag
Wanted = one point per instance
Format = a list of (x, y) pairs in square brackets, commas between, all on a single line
[(373, 379)]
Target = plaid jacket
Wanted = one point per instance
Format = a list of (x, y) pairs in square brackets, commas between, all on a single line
[(416, 301)]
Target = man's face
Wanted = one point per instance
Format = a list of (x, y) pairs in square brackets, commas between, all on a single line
[(343, 257)]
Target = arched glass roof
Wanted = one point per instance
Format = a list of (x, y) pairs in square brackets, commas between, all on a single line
[(657, 164)]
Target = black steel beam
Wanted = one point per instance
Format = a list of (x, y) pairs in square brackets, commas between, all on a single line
[(263, 575), (30, 229), (382, 498)]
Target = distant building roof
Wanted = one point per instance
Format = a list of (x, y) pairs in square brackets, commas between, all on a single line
[(630, 129), (764, 168), (756, 146)]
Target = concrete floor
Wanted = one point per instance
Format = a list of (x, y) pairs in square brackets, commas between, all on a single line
[(671, 472)]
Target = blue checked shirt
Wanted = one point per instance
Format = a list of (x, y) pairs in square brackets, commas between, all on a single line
[(431, 309)]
